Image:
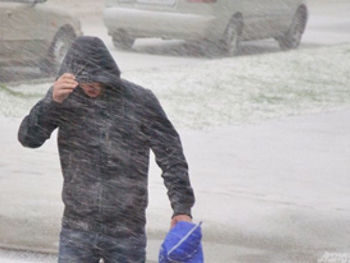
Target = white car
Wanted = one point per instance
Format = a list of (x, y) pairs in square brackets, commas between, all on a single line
[(223, 23), (35, 33)]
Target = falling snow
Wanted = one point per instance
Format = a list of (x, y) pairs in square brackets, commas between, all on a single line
[(265, 135)]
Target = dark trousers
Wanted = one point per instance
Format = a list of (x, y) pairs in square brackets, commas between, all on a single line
[(85, 247)]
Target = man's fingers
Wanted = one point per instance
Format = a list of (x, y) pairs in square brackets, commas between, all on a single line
[(63, 93), (59, 91), (66, 80), (66, 84), (67, 76), (65, 90)]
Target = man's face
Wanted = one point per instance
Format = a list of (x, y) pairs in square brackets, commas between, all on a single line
[(93, 90)]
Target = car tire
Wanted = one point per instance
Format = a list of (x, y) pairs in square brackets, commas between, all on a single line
[(57, 52), (292, 39), (232, 37), (123, 41)]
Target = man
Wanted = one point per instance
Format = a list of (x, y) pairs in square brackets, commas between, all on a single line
[(106, 128)]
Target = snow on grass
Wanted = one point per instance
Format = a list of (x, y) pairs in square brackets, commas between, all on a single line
[(17, 101), (232, 90), (251, 89)]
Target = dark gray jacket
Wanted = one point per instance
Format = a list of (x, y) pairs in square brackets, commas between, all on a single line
[(104, 146)]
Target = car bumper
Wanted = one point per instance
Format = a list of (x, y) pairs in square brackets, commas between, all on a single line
[(144, 23)]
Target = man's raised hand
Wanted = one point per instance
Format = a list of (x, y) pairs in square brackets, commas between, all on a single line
[(63, 87)]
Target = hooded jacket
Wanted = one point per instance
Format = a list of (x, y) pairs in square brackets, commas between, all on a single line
[(104, 145)]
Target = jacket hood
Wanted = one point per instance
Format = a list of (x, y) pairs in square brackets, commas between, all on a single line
[(89, 60)]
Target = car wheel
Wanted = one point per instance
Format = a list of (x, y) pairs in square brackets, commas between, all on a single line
[(232, 38), (123, 41), (57, 52), (292, 39)]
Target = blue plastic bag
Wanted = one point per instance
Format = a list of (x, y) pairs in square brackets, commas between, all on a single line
[(182, 244)]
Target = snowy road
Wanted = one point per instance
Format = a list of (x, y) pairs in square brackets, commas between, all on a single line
[(278, 191), (270, 187)]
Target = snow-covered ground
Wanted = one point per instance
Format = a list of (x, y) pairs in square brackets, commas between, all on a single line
[(233, 90), (266, 137), (7, 256), (268, 187)]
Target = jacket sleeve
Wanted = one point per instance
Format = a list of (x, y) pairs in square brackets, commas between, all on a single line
[(37, 127), (166, 145)]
